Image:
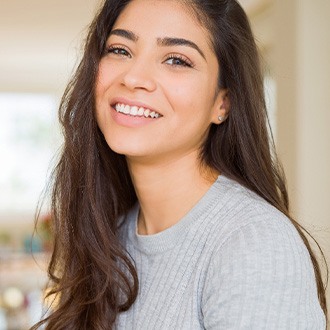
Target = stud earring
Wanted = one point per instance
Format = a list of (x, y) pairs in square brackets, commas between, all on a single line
[(220, 118)]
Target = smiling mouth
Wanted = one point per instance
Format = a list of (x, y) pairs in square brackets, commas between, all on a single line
[(136, 111)]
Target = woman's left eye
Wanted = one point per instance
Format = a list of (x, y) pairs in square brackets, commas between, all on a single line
[(176, 60)]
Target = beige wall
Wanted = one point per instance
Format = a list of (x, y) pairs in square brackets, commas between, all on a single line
[(295, 36), (313, 117)]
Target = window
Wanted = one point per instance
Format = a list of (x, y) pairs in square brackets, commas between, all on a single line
[(29, 138)]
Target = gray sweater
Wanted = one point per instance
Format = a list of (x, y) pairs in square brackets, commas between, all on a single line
[(232, 262)]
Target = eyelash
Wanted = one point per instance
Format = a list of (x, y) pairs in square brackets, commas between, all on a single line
[(113, 49), (124, 52), (182, 59)]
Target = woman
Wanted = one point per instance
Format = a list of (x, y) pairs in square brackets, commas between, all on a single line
[(170, 209)]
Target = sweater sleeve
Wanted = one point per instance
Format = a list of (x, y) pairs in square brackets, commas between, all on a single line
[(261, 278)]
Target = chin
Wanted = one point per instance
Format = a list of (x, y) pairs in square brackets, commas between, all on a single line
[(128, 149)]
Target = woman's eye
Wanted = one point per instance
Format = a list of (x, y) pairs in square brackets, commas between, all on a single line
[(120, 51), (178, 61)]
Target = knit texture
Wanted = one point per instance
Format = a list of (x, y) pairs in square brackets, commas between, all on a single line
[(232, 262)]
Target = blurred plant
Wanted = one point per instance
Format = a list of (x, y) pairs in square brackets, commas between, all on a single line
[(4, 238)]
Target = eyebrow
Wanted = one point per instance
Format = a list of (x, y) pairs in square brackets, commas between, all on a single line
[(179, 42), (125, 34), (165, 42)]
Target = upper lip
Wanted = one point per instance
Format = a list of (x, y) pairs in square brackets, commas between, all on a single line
[(132, 103)]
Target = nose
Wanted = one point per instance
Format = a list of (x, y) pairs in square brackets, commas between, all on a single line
[(139, 76)]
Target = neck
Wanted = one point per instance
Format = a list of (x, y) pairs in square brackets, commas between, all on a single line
[(167, 191)]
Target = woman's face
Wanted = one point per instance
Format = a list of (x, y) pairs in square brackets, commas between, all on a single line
[(156, 90)]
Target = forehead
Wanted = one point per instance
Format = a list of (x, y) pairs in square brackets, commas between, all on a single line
[(158, 18)]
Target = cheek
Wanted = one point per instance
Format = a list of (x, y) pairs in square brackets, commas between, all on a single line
[(101, 86), (184, 94), (105, 77), (104, 80), (198, 115), (191, 96)]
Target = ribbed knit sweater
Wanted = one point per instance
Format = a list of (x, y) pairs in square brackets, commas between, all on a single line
[(232, 262)]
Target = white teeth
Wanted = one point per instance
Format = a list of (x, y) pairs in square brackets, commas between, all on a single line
[(136, 111)]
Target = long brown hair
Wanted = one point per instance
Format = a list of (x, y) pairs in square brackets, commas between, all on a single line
[(93, 276)]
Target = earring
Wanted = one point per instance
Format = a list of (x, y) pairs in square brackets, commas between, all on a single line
[(220, 118)]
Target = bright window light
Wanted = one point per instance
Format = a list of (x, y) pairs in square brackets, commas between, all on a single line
[(270, 97), (29, 138)]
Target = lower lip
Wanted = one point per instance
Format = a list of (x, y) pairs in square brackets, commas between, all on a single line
[(131, 121)]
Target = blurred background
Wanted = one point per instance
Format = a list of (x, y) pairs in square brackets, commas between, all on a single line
[(40, 45)]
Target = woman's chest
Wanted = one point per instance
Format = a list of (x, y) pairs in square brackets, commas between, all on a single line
[(170, 291)]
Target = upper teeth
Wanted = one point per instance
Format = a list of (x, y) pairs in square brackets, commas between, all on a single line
[(136, 111)]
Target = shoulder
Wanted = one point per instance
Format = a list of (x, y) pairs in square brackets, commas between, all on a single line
[(248, 228), (259, 271), (243, 214)]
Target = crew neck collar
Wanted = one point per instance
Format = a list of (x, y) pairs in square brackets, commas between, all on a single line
[(170, 237)]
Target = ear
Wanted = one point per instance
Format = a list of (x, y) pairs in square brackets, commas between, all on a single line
[(221, 107)]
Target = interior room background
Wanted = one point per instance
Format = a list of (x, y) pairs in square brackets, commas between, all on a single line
[(40, 45)]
